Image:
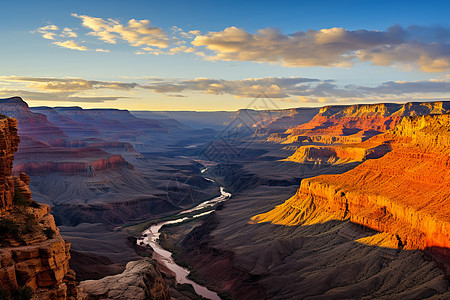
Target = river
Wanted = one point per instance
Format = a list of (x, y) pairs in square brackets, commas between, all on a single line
[(151, 235)]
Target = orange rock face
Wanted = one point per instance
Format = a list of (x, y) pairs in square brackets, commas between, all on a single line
[(406, 192), (40, 262), (357, 123)]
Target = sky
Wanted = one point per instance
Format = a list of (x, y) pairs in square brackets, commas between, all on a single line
[(221, 55)]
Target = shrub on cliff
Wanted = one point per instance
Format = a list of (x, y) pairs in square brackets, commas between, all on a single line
[(49, 233), (19, 199), (8, 227), (4, 294), (30, 225), (22, 293)]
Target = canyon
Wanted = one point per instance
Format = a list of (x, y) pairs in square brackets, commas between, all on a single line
[(376, 226), (332, 202), (404, 192), (33, 254)]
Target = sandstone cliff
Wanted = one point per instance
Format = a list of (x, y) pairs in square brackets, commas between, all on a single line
[(404, 193), (357, 123), (33, 254)]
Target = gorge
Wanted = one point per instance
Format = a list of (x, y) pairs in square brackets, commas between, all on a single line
[(332, 202)]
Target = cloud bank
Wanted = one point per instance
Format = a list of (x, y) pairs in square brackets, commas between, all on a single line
[(289, 89), (426, 47)]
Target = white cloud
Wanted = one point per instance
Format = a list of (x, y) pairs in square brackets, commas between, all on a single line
[(68, 84), (137, 32), (427, 48), (71, 45), (48, 32), (290, 89), (67, 32)]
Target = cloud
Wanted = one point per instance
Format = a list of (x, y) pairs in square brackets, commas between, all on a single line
[(288, 89), (425, 47), (407, 87), (54, 97), (136, 32), (48, 32), (63, 89), (307, 90), (273, 87), (68, 84), (71, 45), (52, 32), (74, 46), (67, 32)]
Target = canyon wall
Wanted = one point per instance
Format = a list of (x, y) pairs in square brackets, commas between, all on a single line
[(86, 168), (404, 193), (342, 124), (32, 254)]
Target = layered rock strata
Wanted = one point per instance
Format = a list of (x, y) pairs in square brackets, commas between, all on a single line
[(405, 192), (357, 123)]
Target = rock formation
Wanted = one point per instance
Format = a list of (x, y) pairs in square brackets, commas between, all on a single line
[(140, 280), (404, 193), (33, 254), (34, 125), (9, 141), (357, 123)]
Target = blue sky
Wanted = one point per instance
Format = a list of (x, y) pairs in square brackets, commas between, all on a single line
[(222, 54)]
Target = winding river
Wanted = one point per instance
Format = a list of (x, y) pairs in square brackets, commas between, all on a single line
[(151, 235)]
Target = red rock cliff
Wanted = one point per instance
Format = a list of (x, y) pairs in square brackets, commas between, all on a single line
[(406, 192), (356, 123)]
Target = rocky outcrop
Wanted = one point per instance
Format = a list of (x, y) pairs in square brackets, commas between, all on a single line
[(36, 256), (140, 280), (404, 193), (336, 154)]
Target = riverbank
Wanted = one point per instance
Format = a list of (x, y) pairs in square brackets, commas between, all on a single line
[(150, 237)]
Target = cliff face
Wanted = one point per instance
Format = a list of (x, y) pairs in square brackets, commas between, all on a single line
[(339, 154), (281, 120), (36, 256), (339, 134), (9, 141), (88, 168), (357, 123), (43, 148), (32, 124), (32, 252), (404, 193)]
